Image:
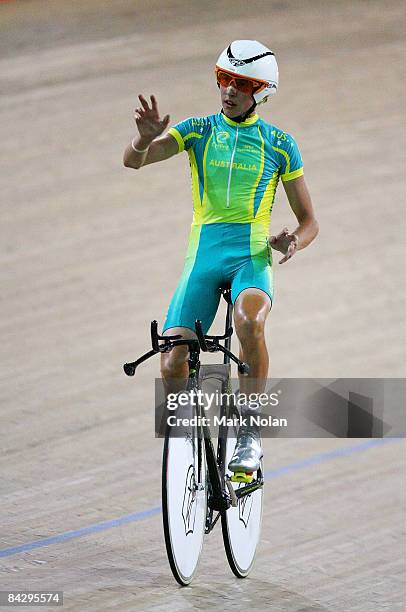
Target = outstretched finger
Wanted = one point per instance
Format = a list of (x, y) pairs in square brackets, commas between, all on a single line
[(143, 102), (154, 103)]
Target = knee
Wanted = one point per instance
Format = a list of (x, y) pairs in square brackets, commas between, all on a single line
[(250, 329), (174, 361)]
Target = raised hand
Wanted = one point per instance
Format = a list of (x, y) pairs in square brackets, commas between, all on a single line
[(149, 124)]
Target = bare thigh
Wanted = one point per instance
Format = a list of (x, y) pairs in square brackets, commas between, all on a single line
[(172, 362)]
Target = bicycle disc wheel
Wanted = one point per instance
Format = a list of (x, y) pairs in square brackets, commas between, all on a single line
[(184, 501), (241, 525)]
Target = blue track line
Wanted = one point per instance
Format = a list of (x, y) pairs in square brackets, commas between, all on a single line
[(344, 451), (145, 514)]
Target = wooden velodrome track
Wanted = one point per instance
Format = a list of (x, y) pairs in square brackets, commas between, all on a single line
[(91, 252)]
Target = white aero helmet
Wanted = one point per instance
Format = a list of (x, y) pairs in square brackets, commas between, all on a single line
[(252, 60)]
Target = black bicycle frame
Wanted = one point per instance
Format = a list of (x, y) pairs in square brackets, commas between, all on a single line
[(219, 500)]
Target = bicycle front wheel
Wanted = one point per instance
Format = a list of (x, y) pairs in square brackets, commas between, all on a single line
[(184, 500), (241, 525)]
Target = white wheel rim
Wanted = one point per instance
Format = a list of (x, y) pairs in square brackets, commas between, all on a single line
[(186, 506), (243, 521)]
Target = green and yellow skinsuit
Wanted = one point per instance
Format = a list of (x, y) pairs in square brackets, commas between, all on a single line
[(235, 169)]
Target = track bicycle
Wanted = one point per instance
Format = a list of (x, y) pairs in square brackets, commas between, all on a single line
[(197, 487)]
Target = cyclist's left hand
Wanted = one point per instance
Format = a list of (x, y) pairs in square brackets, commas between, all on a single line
[(285, 243)]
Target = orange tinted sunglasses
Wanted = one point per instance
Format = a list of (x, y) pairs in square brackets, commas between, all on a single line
[(244, 84)]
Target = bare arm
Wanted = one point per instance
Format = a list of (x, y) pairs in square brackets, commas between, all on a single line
[(148, 148), (308, 228), (158, 150)]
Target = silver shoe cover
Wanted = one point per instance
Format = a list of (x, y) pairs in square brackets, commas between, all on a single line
[(248, 452)]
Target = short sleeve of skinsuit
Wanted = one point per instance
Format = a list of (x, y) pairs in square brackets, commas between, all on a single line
[(187, 132), (290, 159)]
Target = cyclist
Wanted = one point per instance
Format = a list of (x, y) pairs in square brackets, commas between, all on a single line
[(236, 160)]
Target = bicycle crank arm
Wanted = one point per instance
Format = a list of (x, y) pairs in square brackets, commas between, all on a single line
[(249, 488), (233, 497)]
